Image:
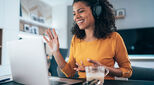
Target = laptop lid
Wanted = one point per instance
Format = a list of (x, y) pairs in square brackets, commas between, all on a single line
[(28, 61)]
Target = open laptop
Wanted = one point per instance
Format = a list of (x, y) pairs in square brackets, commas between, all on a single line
[(29, 63)]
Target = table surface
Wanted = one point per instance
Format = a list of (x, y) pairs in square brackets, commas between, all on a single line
[(129, 82), (106, 82)]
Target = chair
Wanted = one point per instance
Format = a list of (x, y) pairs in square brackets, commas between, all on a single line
[(141, 73), (53, 65)]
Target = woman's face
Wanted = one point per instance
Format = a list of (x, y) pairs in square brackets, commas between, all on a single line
[(83, 15)]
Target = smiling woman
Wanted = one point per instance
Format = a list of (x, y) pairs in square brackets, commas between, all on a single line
[(95, 41)]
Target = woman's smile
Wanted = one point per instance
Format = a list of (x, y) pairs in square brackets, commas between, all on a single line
[(80, 22)]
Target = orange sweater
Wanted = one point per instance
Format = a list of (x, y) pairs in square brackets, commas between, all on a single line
[(106, 51)]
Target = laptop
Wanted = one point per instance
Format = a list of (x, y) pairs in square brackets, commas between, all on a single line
[(29, 63)]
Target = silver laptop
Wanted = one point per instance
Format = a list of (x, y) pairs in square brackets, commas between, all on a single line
[(29, 63)]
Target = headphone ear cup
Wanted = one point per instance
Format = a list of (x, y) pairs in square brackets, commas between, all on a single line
[(98, 10)]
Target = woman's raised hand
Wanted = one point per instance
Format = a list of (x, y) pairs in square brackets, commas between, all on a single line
[(52, 40)]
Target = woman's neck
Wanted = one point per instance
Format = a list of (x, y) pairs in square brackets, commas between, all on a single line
[(89, 34)]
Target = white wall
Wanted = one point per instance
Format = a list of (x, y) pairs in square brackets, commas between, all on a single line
[(1, 13), (10, 22), (139, 13), (59, 22)]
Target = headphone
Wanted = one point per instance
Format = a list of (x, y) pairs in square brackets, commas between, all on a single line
[(97, 9)]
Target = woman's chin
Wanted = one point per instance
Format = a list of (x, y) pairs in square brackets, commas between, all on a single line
[(81, 28)]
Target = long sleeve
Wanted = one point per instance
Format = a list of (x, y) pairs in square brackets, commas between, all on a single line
[(68, 69), (121, 57)]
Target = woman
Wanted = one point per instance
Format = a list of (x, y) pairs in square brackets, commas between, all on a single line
[(95, 41)]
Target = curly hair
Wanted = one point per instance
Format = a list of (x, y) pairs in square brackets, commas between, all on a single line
[(104, 25)]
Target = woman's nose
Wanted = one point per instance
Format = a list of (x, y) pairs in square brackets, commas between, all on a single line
[(77, 16)]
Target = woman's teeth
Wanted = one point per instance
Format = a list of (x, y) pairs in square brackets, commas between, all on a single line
[(80, 21)]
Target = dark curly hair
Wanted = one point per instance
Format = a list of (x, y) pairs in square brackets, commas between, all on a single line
[(104, 25)]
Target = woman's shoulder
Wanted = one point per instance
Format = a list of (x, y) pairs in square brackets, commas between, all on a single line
[(115, 35), (75, 39)]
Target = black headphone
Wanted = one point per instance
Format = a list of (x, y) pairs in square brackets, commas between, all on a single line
[(97, 9)]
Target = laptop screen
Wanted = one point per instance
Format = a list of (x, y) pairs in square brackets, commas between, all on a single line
[(28, 61)]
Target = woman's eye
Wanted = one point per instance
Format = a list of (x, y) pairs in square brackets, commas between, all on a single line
[(73, 14), (81, 11)]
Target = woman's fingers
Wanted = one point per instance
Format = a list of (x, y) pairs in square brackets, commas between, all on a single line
[(76, 69), (55, 34), (92, 61), (95, 63), (80, 68), (77, 64), (50, 38), (50, 33), (46, 39)]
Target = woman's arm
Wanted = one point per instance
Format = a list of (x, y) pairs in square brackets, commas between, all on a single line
[(59, 59), (114, 72), (53, 43), (66, 67), (121, 57)]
